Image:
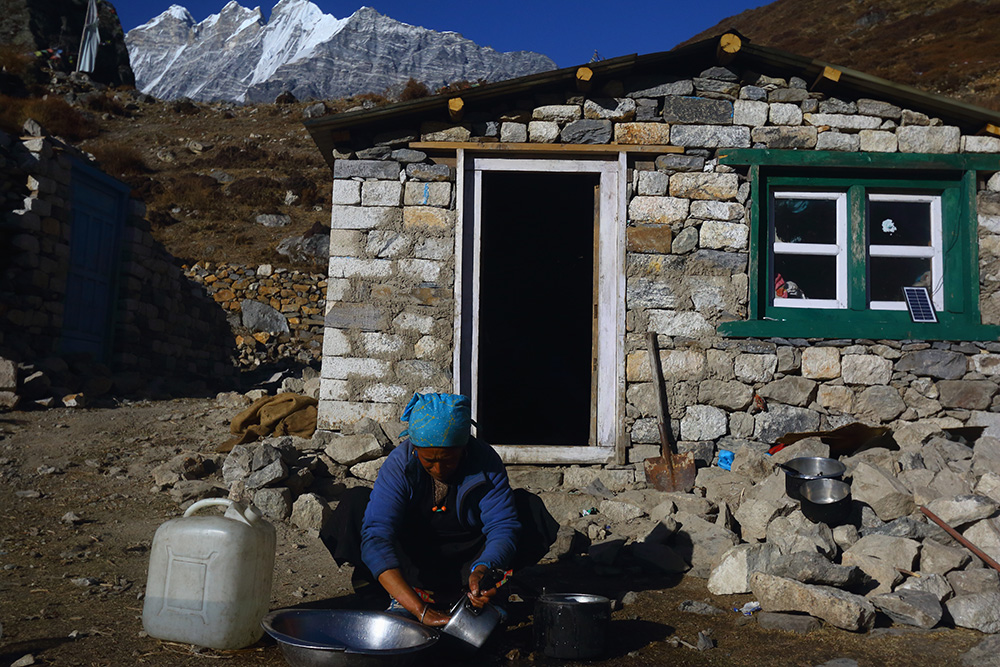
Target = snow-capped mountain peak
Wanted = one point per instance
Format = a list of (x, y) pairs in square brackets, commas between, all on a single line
[(236, 55)]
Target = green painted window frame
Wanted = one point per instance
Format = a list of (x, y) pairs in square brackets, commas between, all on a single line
[(960, 319)]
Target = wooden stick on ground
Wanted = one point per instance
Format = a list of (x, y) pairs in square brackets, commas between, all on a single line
[(964, 542)]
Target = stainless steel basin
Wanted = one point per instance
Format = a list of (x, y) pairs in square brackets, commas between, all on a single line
[(335, 637)]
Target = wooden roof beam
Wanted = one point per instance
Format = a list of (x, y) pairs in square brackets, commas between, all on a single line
[(990, 129), (456, 109), (729, 45), (827, 79), (583, 78)]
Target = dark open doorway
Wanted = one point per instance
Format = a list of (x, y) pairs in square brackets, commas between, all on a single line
[(536, 308)]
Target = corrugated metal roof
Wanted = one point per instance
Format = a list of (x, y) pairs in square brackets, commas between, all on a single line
[(764, 60)]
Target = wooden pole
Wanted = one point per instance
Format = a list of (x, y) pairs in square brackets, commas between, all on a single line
[(961, 540), (456, 108), (729, 45), (583, 77)]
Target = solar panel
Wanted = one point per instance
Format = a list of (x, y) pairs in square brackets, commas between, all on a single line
[(919, 303)]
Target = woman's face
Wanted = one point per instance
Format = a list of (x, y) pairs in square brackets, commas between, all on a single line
[(440, 462)]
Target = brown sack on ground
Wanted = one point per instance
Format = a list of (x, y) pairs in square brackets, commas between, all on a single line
[(284, 414)]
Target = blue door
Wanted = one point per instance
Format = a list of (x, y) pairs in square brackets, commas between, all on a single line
[(98, 208)]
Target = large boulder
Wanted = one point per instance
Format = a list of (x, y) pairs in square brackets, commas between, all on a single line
[(839, 608)]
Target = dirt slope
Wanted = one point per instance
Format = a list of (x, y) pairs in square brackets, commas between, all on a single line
[(950, 47)]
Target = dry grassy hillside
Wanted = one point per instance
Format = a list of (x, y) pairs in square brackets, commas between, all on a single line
[(950, 47)]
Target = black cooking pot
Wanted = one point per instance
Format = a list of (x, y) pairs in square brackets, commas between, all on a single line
[(572, 626)]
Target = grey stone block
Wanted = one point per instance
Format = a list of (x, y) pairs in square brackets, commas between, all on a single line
[(382, 169), (355, 316), (588, 132), (697, 111)]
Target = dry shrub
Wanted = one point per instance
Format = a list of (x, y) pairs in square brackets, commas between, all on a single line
[(303, 187), (370, 100), (192, 192), (15, 61), (105, 104), (414, 90), (53, 113), (256, 191), (120, 158)]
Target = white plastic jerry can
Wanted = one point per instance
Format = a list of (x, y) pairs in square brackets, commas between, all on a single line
[(209, 578)]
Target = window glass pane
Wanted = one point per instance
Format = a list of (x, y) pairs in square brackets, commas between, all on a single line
[(805, 221), (899, 223), (805, 276), (889, 275)]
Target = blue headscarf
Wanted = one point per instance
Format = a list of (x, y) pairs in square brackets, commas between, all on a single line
[(438, 420)]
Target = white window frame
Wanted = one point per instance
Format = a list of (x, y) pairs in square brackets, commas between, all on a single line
[(611, 299), (838, 250), (934, 252)]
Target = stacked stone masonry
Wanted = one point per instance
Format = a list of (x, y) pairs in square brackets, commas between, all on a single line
[(163, 326), (391, 309), (299, 297)]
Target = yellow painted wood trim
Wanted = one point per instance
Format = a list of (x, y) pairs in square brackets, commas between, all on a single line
[(512, 147)]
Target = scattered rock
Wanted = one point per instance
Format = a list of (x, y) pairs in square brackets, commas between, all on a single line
[(910, 607), (801, 624)]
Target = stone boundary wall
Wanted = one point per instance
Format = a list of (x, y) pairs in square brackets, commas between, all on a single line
[(164, 326), (298, 296), (391, 315)]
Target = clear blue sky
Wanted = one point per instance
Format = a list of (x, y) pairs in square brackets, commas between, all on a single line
[(568, 31)]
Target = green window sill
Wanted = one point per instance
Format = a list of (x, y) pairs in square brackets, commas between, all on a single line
[(871, 325)]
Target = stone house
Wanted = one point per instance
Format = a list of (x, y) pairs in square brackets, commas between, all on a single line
[(760, 211), (89, 301)]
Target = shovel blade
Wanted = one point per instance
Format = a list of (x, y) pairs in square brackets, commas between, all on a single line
[(671, 474)]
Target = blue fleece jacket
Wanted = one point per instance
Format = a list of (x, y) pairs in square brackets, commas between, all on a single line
[(485, 504)]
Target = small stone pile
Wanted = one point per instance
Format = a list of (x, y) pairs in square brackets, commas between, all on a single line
[(54, 382), (286, 477), (889, 558), (740, 530), (275, 313)]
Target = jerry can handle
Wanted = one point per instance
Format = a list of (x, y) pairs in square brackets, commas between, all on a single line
[(208, 502), (249, 515)]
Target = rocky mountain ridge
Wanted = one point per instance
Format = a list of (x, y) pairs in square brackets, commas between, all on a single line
[(237, 56)]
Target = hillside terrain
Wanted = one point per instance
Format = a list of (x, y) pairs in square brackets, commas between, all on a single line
[(950, 47)]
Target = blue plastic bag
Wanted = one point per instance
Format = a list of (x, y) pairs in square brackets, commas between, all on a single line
[(725, 459)]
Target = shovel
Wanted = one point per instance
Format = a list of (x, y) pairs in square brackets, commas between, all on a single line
[(670, 471)]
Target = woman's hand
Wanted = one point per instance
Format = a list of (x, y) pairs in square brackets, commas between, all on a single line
[(435, 618), (478, 597)]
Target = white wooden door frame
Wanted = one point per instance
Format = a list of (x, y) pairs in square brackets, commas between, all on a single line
[(611, 298)]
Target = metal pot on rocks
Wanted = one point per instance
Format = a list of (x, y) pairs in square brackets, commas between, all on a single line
[(806, 468), (572, 626), (826, 501)]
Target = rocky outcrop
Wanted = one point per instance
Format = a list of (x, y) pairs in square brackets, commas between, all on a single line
[(308, 53)]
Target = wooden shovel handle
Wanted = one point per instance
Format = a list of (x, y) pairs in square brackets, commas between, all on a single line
[(663, 420)]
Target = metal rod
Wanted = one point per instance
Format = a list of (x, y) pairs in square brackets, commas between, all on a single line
[(964, 542)]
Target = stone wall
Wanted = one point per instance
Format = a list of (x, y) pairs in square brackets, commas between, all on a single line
[(297, 299), (391, 296), (390, 311), (164, 326)]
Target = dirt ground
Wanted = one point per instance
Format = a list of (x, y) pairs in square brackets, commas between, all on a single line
[(71, 593)]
